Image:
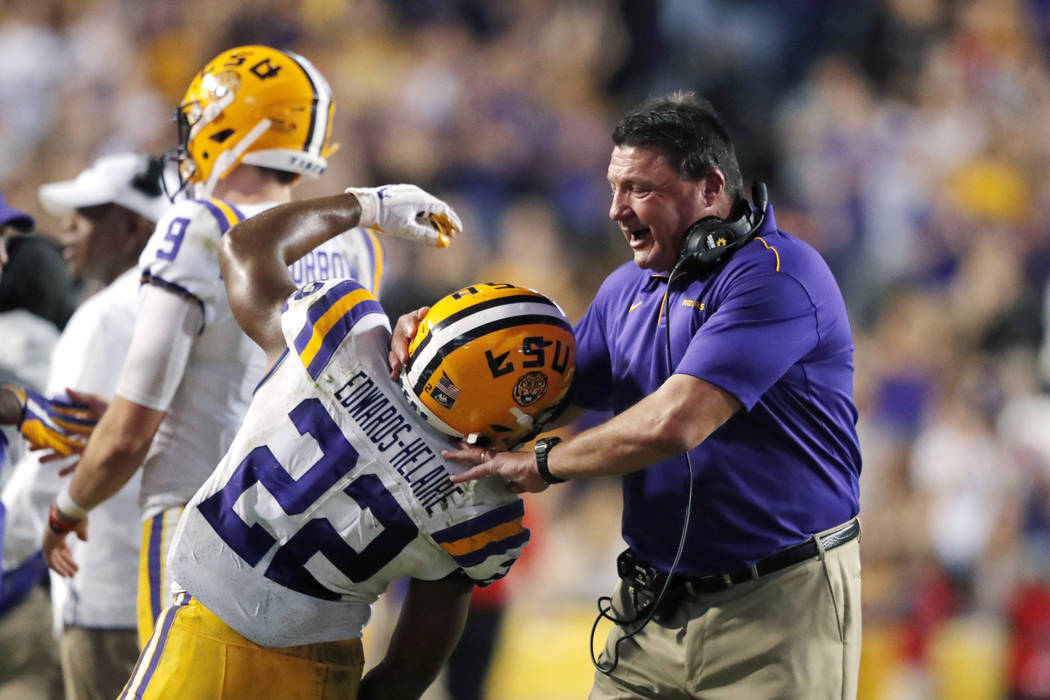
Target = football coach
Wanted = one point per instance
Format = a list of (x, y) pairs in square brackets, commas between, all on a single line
[(725, 353)]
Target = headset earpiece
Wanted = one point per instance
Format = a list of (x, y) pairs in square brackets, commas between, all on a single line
[(710, 239)]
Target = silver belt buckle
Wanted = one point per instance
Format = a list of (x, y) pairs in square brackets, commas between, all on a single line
[(832, 538)]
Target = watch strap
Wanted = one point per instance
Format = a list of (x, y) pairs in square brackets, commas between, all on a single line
[(543, 447)]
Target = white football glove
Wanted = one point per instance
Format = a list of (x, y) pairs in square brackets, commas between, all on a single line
[(408, 212)]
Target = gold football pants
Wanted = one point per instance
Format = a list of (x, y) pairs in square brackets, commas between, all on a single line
[(194, 654)]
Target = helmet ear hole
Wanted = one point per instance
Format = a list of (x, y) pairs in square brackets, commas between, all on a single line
[(221, 136), (491, 360)]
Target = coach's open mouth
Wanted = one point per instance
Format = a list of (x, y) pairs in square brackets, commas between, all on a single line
[(638, 237)]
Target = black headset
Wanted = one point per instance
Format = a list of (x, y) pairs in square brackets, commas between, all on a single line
[(710, 239)]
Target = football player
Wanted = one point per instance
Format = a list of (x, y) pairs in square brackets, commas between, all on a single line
[(334, 485), (252, 122)]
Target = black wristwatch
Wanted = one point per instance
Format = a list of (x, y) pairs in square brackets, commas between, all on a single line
[(543, 446)]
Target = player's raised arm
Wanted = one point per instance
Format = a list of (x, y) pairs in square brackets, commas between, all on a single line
[(255, 253)]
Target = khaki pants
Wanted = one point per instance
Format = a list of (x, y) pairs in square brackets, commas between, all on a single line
[(29, 652), (96, 663), (792, 634)]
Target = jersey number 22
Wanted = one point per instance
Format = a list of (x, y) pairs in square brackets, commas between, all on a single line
[(338, 457)]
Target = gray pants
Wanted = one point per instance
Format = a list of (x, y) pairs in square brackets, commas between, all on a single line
[(96, 663), (795, 633)]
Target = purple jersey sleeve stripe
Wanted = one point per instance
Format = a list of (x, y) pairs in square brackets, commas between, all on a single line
[(319, 308), (175, 289), (236, 212), (269, 372), (338, 332), (219, 214), (226, 215), (493, 549), (486, 521)]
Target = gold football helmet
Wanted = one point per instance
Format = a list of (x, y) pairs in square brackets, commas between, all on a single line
[(491, 363), (256, 105)]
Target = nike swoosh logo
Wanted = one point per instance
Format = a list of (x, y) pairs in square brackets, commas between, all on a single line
[(634, 306)]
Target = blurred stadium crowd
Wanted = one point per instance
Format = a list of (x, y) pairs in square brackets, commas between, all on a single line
[(908, 140)]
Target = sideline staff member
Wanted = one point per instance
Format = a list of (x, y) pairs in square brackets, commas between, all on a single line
[(765, 598)]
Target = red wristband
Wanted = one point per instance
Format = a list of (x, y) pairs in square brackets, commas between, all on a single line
[(59, 524)]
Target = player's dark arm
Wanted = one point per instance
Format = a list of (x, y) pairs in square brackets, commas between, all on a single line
[(254, 256), (427, 631)]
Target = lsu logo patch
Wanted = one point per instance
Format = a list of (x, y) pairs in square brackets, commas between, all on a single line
[(529, 388)]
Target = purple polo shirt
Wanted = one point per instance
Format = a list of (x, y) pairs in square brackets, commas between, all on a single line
[(769, 327)]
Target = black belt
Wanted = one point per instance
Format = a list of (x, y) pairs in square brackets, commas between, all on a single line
[(774, 562), (646, 579)]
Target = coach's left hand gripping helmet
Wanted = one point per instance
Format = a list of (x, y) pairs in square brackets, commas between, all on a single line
[(255, 105), (492, 361)]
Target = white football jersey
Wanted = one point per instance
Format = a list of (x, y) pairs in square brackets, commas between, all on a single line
[(333, 488), (224, 364), (88, 357)]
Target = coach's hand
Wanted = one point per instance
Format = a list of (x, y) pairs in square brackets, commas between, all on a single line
[(404, 331), (408, 212), (518, 469)]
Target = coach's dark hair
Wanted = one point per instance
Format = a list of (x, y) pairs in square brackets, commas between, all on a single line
[(686, 129)]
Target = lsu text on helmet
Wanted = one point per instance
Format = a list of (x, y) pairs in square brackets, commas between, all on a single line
[(256, 105), (492, 361)]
